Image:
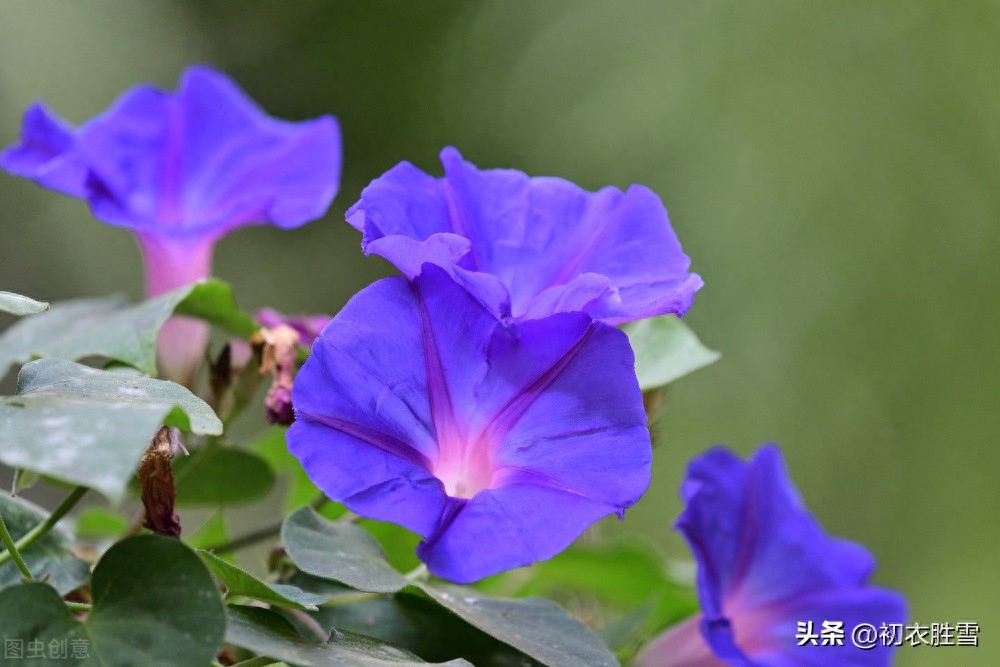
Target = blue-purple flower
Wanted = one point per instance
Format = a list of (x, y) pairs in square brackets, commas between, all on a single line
[(497, 441), (775, 590), (530, 246), (181, 170)]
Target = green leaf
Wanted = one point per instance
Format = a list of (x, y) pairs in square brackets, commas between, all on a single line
[(419, 624), (665, 350), (221, 476), (625, 575), (539, 628), (111, 328), (239, 582), (338, 551), (154, 604), (24, 479), (399, 544), (212, 300), (267, 633), (628, 581), (90, 427), (271, 446), (16, 304), (49, 556), (91, 327), (100, 522), (348, 554)]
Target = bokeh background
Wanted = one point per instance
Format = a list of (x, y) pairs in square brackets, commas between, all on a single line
[(831, 168)]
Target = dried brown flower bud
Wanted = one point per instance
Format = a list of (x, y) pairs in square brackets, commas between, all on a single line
[(156, 482), (280, 348)]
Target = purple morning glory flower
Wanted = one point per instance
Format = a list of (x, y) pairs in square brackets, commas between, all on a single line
[(530, 246), (307, 326), (181, 170), (769, 577), (497, 441)]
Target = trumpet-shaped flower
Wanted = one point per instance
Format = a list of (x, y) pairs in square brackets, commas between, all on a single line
[(775, 590), (181, 170), (497, 441), (530, 246)]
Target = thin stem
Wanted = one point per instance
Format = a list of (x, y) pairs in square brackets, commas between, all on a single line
[(259, 661), (78, 606), (245, 388), (350, 598), (38, 531), (311, 623), (12, 551), (419, 573), (261, 534), (247, 540)]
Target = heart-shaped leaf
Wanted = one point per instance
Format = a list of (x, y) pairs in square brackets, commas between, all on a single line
[(154, 604), (105, 327), (665, 350), (16, 304), (418, 624), (111, 328), (100, 522), (623, 576), (539, 628), (239, 582), (269, 634), (90, 427), (338, 551), (48, 556)]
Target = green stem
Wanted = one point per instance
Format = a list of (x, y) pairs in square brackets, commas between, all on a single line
[(12, 551), (260, 534), (260, 661), (246, 387), (78, 606), (350, 598), (311, 624), (247, 540), (38, 531), (418, 574)]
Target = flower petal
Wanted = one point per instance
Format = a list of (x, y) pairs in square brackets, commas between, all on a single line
[(754, 540), (205, 160), (773, 643), (537, 235), (45, 153), (562, 431), (512, 526), (419, 406), (363, 428), (765, 564)]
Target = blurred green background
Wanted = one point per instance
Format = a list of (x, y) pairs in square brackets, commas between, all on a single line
[(831, 168)]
